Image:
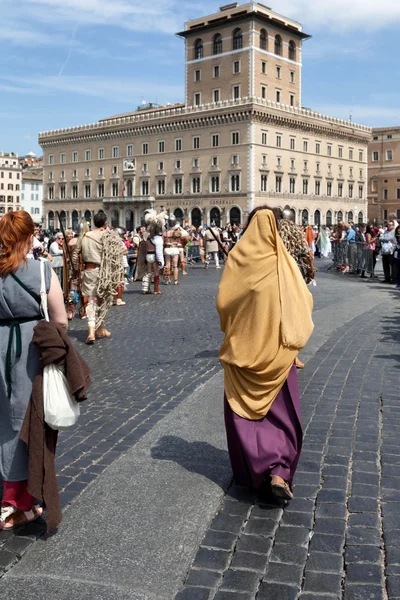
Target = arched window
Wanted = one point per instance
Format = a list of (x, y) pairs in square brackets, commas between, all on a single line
[(217, 44), (329, 218), (292, 50), (263, 39), (237, 39), (88, 217), (351, 216), (215, 217), (235, 216), (50, 219), (304, 217), (129, 220), (317, 218), (114, 218), (198, 49), (278, 45), (339, 216), (75, 220), (360, 218), (63, 218), (129, 188), (196, 217), (178, 212)]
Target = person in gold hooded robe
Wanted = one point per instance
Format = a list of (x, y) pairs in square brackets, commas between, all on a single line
[(265, 313)]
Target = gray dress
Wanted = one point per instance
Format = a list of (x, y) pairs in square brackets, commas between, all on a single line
[(19, 313)]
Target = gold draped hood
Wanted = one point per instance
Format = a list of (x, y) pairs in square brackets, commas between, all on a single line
[(265, 312)]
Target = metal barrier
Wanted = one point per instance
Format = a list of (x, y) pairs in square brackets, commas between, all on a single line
[(353, 257)]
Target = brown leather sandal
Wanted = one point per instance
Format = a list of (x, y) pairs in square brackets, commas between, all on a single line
[(13, 517), (280, 488)]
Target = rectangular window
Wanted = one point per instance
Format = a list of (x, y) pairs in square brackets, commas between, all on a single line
[(178, 145), (350, 190), (196, 163), (161, 166), (278, 162), (197, 75), (263, 92), (340, 190), (278, 72), (51, 192), (101, 154), (385, 214), (215, 140), (236, 92), (375, 156), (292, 185), (361, 192), (292, 164), (291, 76), (329, 150), (177, 164), (100, 190), (196, 143), (361, 156), (340, 151), (351, 153), (23, 185), (215, 187), (161, 147), (305, 145), (318, 167), (291, 100), (279, 141), (385, 194), (178, 185), (129, 150), (329, 189), (235, 183), (264, 183), (74, 174), (305, 186), (216, 71), (115, 152), (263, 67), (216, 95), (305, 166), (88, 154), (87, 191), (278, 184), (87, 173), (340, 171), (101, 171), (235, 159), (235, 138), (317, 148), (197, 99), (75, 156), (214, 161), (264, 160), (389, 154), (351, 173), (145, 168), (62, 192), (196, 185), (161, 187), (145, 148), (145, 188), (236, 66), (317, 188), (293, 143), (63, 158), (264, 138), (278, 96)]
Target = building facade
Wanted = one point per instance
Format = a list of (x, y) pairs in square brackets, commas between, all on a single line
[(10, 182), (241, 139), (32, 193), (384, 173)]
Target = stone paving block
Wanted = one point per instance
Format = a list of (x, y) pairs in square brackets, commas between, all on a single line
[(267, 512), (357, 504), (292, 535), (337, 511), (363, 554), (330, 525), (223, 540), (250, 561), (363, 592), (331, 496), (263, 527), (297, 519), (202, 578), (300, 505), (323, 583), (284, 573), (393, 555), (393, 585), (230, 595), (232, 507), (215, 560), (326, 562), (241, 581), (364, 520), (288, 553), (364, 573), (311, 596), (193, 593), (230, 523), (322, 542), (277, 591), (254, 543), (363, 536)]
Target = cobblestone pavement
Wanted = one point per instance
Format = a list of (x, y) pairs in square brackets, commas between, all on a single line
[(339, 537)]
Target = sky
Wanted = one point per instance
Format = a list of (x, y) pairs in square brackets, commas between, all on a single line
[(73, 62)]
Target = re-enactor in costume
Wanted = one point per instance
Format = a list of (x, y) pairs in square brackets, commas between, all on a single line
[(154, 250), (101, 252), (265, 312), (175, 239)]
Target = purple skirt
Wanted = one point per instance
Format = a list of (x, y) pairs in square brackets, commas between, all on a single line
[(270, 446)]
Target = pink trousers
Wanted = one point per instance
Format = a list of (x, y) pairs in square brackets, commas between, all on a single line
[(15, 493)]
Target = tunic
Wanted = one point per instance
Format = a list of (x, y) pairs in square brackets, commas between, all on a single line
[(16, 303), (92, 250), (211, 243)]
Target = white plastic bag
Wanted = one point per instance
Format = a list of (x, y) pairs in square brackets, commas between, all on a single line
[(60, 409)]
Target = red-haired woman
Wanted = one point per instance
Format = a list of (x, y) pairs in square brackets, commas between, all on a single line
[(19, 358)]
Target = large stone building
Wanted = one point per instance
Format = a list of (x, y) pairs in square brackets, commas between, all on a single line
[(32, 193), (384, 173), (240, 140), (10, 182)]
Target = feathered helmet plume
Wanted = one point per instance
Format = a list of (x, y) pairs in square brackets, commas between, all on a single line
[(155, 221)]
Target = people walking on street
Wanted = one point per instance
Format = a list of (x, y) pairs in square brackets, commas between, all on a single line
[(154, 250), (265, 313), (212, 246), (20, 312), (174, 241), (388, 243)]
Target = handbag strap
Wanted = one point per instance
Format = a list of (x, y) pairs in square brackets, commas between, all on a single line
[(43, 293)]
